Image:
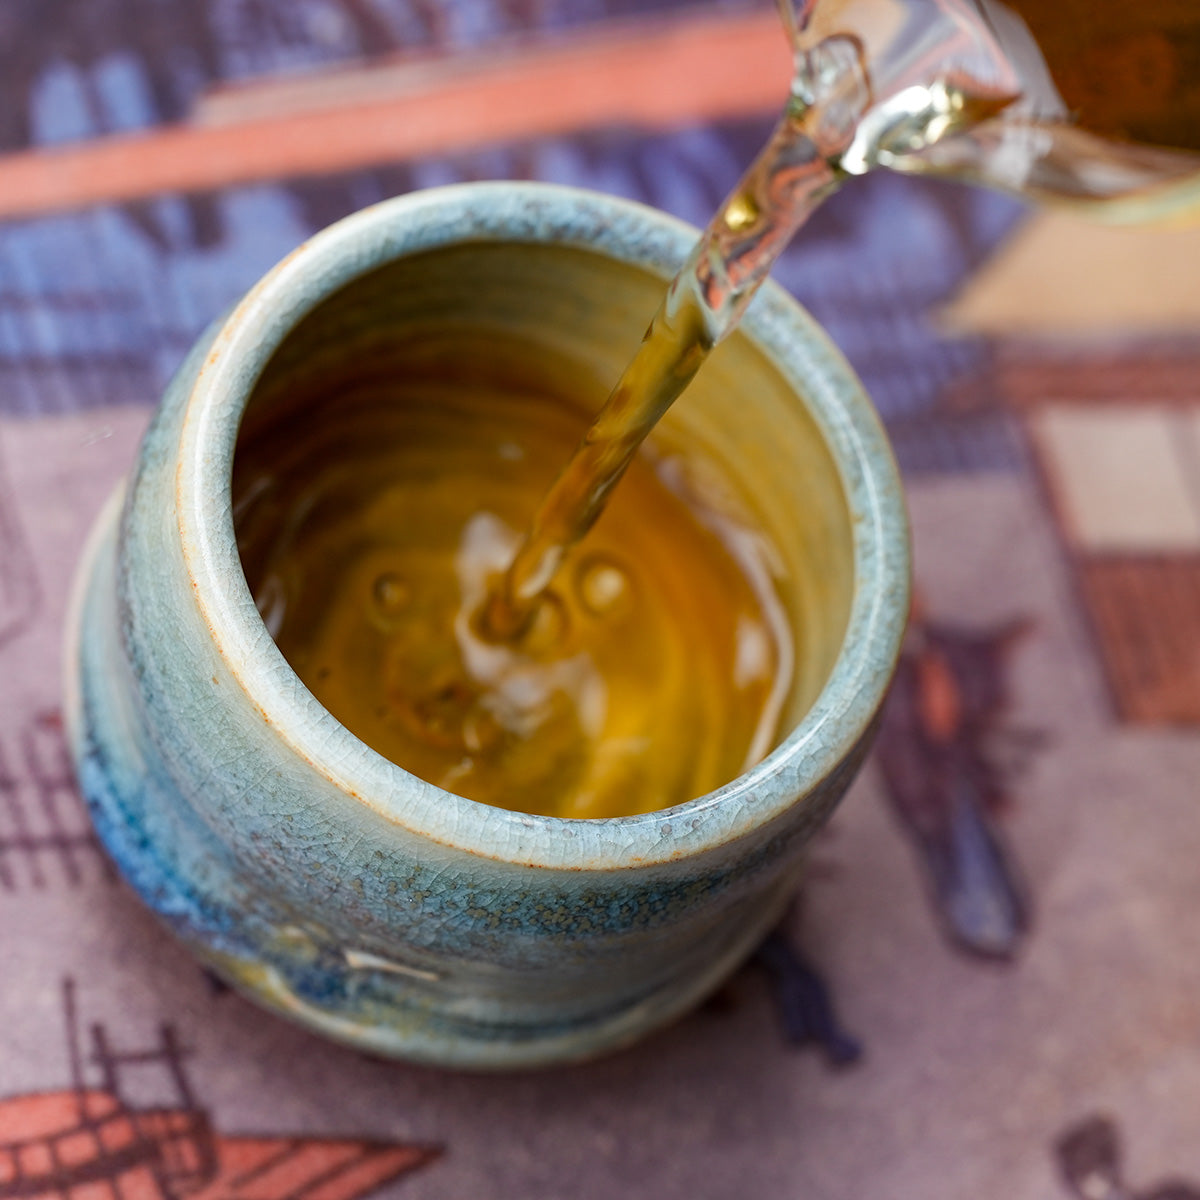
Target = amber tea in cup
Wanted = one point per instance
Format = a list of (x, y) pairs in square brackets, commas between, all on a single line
[(379, 492)]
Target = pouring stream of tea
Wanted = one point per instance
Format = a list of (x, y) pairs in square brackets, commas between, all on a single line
[(835, 110), (1100, 112)]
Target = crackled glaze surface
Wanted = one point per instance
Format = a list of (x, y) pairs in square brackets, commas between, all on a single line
[(328, 882)]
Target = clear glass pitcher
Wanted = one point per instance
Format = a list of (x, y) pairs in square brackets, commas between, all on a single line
[(1094, 101)]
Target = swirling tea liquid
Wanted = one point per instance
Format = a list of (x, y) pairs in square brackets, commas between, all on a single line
[(374, 517)]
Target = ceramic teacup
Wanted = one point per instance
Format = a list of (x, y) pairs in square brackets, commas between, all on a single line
[(332, 885)]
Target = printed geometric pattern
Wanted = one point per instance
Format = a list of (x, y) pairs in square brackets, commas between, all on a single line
[(1146, 614), (46, 837), (1125, 478), (1118, 445), (91, 1143)]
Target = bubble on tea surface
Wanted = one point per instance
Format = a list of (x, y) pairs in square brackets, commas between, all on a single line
[(390, 598), (391, 592), (603, 586)]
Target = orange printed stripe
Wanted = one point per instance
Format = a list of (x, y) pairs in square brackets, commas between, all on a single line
[(652, 76)]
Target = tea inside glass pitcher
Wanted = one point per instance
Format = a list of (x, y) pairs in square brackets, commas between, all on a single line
[(1098, 100)]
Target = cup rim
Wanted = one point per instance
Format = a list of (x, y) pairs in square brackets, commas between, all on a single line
[(791, 775)]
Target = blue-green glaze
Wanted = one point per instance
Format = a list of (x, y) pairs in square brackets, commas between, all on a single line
[(332, 885)]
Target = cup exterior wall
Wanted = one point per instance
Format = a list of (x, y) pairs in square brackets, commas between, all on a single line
[(323, 906)]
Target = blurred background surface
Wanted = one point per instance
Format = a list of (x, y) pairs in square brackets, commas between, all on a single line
[(1004, 912)]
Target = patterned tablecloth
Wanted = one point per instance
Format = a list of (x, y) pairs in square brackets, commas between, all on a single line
[(990, 986)]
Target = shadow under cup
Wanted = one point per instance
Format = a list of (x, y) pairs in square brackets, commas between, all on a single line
[(558, 323)]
